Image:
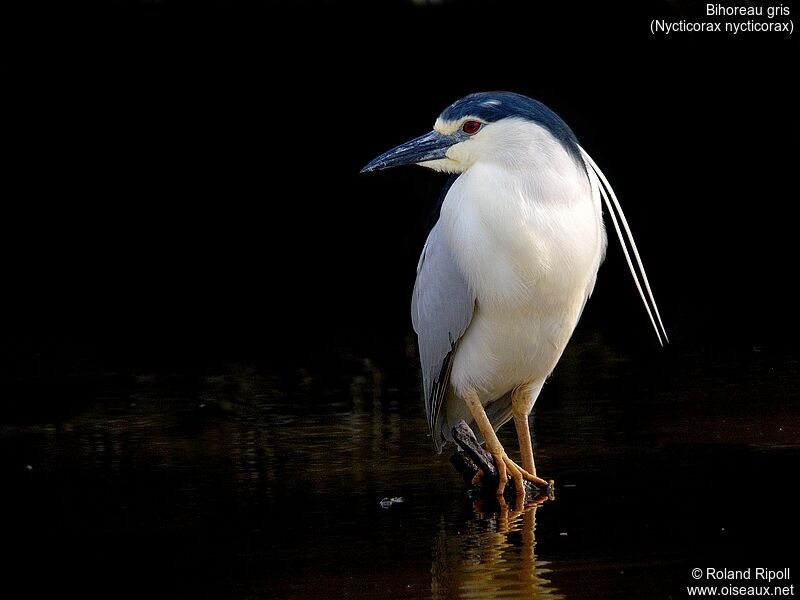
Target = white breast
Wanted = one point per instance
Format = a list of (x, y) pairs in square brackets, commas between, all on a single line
[(528, 237)]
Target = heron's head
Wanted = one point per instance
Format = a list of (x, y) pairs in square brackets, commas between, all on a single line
[(482, 126)]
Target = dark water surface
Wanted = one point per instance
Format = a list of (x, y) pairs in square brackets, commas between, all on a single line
[(250, 482)]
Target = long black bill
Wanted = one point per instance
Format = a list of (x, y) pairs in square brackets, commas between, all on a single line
[(430, 146)]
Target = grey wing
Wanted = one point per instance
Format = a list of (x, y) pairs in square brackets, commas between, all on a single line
[(441, 310)]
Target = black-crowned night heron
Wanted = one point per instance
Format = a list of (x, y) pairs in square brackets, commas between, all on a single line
[(508, 267)]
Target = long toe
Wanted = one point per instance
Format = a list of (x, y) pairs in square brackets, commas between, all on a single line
[(526, 475), (502, 472), (517, 476), (508, 468), (477, 479), (543, 483)]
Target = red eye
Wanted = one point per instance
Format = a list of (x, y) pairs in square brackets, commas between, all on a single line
[(471, 127)]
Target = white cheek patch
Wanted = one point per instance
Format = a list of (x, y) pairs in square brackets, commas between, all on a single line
[(456, 152), (444, 165)]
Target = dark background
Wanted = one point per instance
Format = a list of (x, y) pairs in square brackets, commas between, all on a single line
[(181, 195), (180, 179)]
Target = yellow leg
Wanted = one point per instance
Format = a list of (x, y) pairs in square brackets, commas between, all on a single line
[(525, 443), (505, 466), (522, 399), (526, 447)]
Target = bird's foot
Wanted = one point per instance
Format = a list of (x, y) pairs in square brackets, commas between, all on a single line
[(508, 468), (477, 479)]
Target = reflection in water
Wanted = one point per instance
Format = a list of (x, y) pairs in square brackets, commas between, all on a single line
[(494, 557), (250, 483)]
